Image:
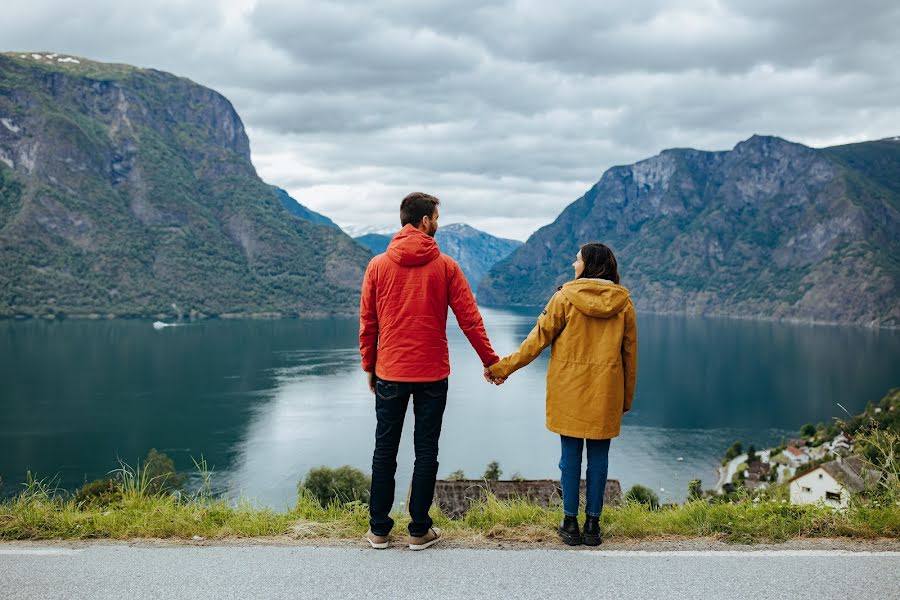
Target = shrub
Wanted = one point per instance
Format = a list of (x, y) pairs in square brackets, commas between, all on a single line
[(157, 476), (640, 494), (695, 489), (160, 471), (343, 484), (493, 471), (457, 475), (100, 492)]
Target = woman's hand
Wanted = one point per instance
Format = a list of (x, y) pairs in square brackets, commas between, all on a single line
[(491, 378)]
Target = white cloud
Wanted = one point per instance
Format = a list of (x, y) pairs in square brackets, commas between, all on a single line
[(507, 110)]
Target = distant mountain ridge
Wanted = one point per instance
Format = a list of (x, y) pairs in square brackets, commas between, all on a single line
[(474, 250), (300, 211), (377, 243), (130, 192), (771, 229)]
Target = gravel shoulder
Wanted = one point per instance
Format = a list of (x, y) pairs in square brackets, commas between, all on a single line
[(399, 543)]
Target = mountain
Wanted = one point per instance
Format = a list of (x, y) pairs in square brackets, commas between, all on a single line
[(376, 242), (770, 229), (130, 192), (300, 211), (474, 250)]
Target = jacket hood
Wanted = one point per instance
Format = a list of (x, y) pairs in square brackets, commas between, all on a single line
[(411, 248), (596, 298)]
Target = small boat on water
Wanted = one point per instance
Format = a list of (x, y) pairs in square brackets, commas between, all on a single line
[(161, 325)]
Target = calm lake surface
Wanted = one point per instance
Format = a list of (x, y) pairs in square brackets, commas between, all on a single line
[(265, 401)]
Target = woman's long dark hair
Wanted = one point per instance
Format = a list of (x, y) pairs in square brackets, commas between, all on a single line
[(599, 262)]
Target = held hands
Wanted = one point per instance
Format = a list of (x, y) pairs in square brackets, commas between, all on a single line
[(490, 378)]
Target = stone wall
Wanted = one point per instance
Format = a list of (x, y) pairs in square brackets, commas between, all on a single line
[(455, 497)]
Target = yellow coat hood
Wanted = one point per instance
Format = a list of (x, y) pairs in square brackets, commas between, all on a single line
[(596, 297)]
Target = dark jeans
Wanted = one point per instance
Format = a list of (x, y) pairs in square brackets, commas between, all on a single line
[(570, 468), (391, 400)]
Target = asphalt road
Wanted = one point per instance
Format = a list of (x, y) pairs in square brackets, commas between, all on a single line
[(222, 572)]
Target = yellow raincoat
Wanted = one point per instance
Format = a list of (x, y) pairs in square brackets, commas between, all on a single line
[(593, 360)]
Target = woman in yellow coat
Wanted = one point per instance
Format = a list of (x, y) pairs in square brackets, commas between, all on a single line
[(590, 324)]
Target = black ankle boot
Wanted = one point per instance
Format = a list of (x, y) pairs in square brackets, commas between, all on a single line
[(592, 531), (568, 531)]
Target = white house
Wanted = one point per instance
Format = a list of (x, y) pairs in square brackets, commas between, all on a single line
[(796, 456), (841, 444), (832, 483)]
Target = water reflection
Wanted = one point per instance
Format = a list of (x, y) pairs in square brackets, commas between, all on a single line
[(265, 401)]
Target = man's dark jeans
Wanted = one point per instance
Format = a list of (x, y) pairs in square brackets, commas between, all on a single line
[(391, 401)]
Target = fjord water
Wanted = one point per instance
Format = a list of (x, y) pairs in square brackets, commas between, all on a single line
[(265, 401)]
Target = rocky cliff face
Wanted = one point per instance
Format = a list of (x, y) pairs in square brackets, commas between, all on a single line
[(130, 192), (770, 229)]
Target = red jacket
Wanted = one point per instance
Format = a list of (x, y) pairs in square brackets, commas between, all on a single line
[(403, 311)]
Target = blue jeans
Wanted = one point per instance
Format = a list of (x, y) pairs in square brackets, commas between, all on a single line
[(570, 468)]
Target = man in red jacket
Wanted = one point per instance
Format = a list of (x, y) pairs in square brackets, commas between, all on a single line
[(403, 342)]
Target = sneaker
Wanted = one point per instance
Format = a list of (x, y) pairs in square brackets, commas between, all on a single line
[(592, 531), (568, 531), (379, 542), (426, 541)]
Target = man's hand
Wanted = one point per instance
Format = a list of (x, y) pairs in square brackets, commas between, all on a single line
[(371, 376)]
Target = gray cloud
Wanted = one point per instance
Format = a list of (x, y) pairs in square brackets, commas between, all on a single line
[(508, 110)]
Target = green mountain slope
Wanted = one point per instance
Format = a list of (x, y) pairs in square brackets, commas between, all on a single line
[(770, 229), (130, 192)]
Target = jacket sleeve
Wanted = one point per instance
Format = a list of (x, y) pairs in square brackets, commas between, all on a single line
[(549, 325), (629, 355), (368, 320), (462, 302)]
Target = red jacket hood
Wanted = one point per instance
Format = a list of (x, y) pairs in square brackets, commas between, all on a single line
[(410, 248)]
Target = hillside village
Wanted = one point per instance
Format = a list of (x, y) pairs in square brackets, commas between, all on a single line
[(824, 465)]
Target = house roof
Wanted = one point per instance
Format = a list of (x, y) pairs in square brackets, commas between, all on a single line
[(759, 467), (851, 472), (795, 451)]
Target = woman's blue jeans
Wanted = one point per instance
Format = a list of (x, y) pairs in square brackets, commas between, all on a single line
[(570, 468)]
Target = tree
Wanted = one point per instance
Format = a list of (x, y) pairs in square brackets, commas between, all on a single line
[(751, 455), (518, 476), (493, 471), (640, 494), (808, 430), (341, 485), (456, 475), (695, 489), (734, 451)]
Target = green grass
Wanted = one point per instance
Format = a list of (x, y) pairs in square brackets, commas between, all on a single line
[(39, 514)]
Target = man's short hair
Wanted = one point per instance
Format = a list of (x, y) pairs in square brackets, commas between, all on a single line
[(416, 206)]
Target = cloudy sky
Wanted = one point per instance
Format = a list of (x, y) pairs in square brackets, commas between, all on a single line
[(507, 110)]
